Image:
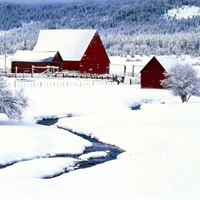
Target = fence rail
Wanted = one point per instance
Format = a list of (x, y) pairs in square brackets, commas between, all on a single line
[(59, 75), (25, 84)]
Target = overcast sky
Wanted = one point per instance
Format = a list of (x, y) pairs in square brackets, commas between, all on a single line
[(40, 1)]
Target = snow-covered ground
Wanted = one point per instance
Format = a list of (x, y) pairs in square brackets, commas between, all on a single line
[(161, 143)]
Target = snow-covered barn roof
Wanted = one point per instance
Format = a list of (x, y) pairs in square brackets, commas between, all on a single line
[(71, 43), (167, 62), (34, 56)]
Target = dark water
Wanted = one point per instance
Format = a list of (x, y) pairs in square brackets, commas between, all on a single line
[(47, 122), (135, 107), (96, 146)]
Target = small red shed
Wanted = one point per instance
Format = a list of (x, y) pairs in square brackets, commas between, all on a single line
[(81, 50), (23, 61), (153, 72)]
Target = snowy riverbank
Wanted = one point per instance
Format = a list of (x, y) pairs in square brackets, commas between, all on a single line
[(161, 141)]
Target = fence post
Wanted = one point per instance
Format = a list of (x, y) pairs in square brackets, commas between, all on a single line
[(32, 71), (48, 71), (15, 72)]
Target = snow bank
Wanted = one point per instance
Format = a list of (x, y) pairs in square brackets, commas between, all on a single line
[(88, 99), (97, 154), (161, 141), (22, 141), (38, 168), (162, 148)]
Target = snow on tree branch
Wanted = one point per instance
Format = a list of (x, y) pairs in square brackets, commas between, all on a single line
[(183, 81), (12, 103)]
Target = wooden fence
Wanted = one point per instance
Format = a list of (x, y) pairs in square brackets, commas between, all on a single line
[(59, 75), (33, 84)]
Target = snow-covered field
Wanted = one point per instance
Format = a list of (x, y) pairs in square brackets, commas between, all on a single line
[(183, 12), (161, 143)]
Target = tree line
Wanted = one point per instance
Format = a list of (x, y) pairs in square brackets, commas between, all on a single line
[(126, 27)]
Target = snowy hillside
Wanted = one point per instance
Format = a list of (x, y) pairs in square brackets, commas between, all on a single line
[(183, 12), (126, 27)]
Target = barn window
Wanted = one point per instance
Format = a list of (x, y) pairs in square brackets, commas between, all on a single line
[(91, 66), (97, 65)]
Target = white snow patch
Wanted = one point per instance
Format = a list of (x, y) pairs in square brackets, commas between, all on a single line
[(167, 62), (183, 12), (34, 56), (97, 154), (71, 44), (22, 141), (38, 168)]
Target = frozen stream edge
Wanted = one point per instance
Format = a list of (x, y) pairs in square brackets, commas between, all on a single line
[(97, 154), (45, 164)]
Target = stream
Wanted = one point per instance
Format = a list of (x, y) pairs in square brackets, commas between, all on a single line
[(113, 151)]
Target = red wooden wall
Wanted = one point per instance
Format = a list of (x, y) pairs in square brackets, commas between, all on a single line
[(95, 59), (26, 67), (152, 74)]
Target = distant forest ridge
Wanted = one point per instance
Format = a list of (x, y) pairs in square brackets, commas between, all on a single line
[(126, 27)]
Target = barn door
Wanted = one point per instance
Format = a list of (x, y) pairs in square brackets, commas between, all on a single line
[(147, 80)]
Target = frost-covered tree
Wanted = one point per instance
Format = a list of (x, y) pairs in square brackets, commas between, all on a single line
[(183, 81), (12, 103), (125, 26)]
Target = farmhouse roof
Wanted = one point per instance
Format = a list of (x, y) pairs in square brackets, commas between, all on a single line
[(167, 62), (71, 43), (34, 56)]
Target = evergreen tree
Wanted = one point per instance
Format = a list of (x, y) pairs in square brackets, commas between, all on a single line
[(125, 26)]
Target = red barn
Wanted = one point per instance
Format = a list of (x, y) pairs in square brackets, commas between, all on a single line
[(23, 61), (81, 50), (152, 73)]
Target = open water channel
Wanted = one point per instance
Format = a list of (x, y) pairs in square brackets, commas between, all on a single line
[(97, 146)]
